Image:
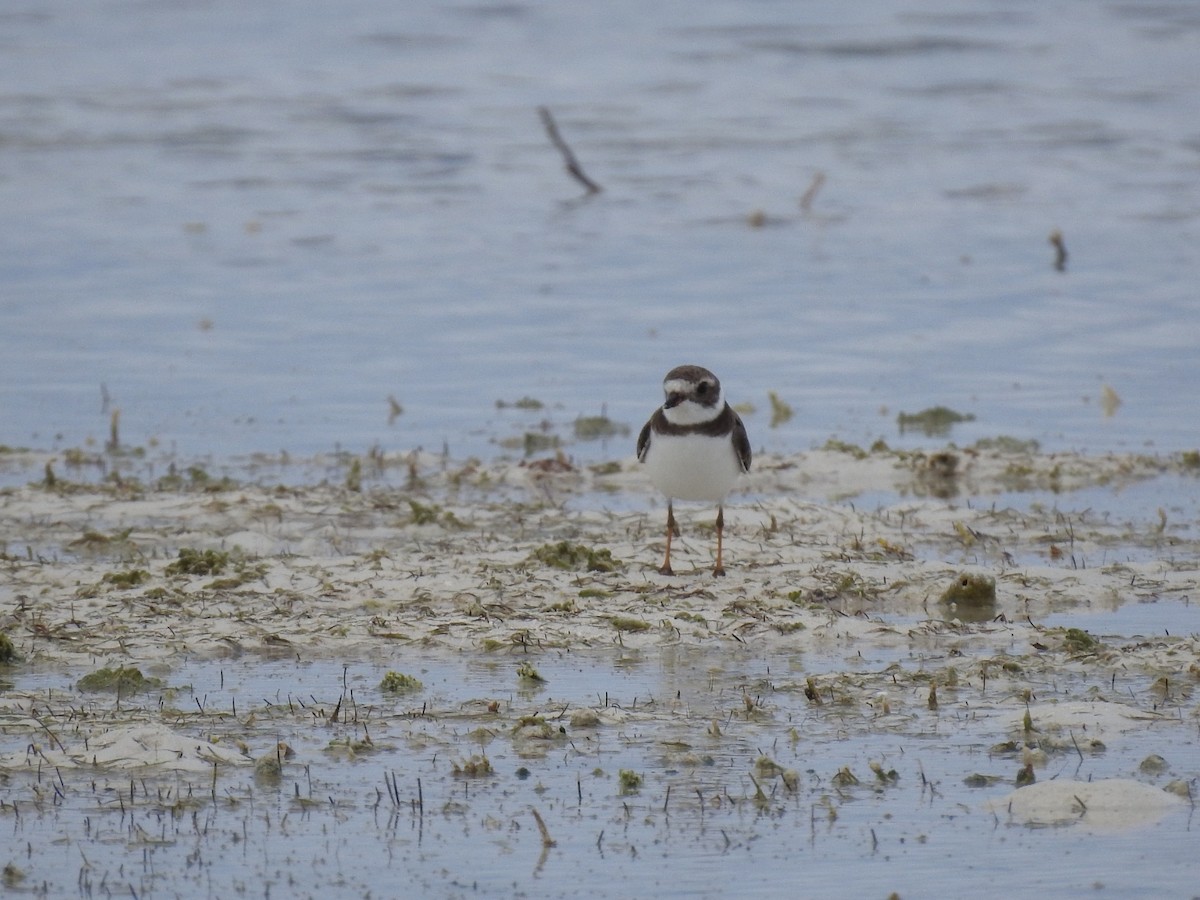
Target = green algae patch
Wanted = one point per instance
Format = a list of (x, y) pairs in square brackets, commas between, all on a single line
[(399, 683), (532, 442), (243, 575), (833, 445), (8, 651), (622, 623), (432, 514), (565, 555), (1003, 443), (936, 421), (629, 782), (1076, 640), (594, 428), (781, 411), (475, 766), (121, 680), (971, 590), (527, 672), (524, 403), (199, 562), (128, 579)]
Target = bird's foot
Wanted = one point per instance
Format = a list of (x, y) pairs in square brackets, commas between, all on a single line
[(719, 572), (666, 570)]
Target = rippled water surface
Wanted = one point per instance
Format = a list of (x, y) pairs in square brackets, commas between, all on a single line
[(378, 799), (247, 226)]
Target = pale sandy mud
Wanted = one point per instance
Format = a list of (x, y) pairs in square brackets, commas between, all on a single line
[(843, 556)]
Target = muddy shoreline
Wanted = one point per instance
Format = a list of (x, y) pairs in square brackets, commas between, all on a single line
[(522, 600), (483, 557)]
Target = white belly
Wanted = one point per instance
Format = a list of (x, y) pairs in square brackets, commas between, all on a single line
[(692, 467)]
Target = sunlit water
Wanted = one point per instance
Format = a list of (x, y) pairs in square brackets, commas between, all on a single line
[(247, 227)]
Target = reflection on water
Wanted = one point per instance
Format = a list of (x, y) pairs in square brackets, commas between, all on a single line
[(745, 783), (250, 228)]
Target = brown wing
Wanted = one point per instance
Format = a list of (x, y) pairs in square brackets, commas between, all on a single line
[(741, 443), (643, 443)]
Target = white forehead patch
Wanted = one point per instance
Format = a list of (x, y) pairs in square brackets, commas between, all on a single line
[(689, 412), (677, 386)]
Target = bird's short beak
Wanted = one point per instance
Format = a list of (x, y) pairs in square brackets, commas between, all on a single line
[(673, 400)]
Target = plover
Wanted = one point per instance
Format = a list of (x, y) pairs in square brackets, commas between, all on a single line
[(694, 448)]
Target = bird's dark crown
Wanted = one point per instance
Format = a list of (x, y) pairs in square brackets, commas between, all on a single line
[(694, 383)]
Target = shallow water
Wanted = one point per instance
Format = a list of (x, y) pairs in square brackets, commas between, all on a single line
[(1132, 619), (692, 829), (246, 229)]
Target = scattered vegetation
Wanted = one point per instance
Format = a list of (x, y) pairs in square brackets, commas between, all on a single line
[(527, 672), (540, 442), (836, 446), (8, 652), (780, 411), (622, 623), (592, 428), (936, 421), (565, 555), (884, 777), (127, 579), (121, 680), (199, 562), (11, 877), (629, 781), (354, 476), (399, 683), (1008, 445), (98, 543), (523, 403), (1076, 640), (243, 574), (971, 590), (477, 766), (195, 478), (845, 778), (432, 514)]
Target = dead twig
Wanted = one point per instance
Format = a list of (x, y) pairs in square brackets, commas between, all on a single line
[(547, 841), (1060, 250), (806, 200), (569, 160)]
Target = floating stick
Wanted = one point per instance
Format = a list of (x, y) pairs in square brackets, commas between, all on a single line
[(569, 160)]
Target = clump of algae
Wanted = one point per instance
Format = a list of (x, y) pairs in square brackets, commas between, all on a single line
[(629, 781), (8, 652), (199, 562), (527, 672), (399, 683), (121, 680), (936, 421), (1076, 640), (565, 555), (971, 590)]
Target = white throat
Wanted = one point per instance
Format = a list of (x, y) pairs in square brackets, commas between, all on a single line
[(690, 412)]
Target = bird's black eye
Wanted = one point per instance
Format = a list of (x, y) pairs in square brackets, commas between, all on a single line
[(702, 389)]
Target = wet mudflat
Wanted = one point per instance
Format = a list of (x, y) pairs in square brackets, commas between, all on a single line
[(672, 769), (469, 679)]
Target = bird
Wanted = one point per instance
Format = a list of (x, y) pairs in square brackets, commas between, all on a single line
[(694, 447)]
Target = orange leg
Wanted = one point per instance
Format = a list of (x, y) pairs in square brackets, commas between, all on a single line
[(672, 529), (720, 569)]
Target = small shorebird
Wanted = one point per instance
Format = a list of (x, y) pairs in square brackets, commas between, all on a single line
[(694, 447)]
